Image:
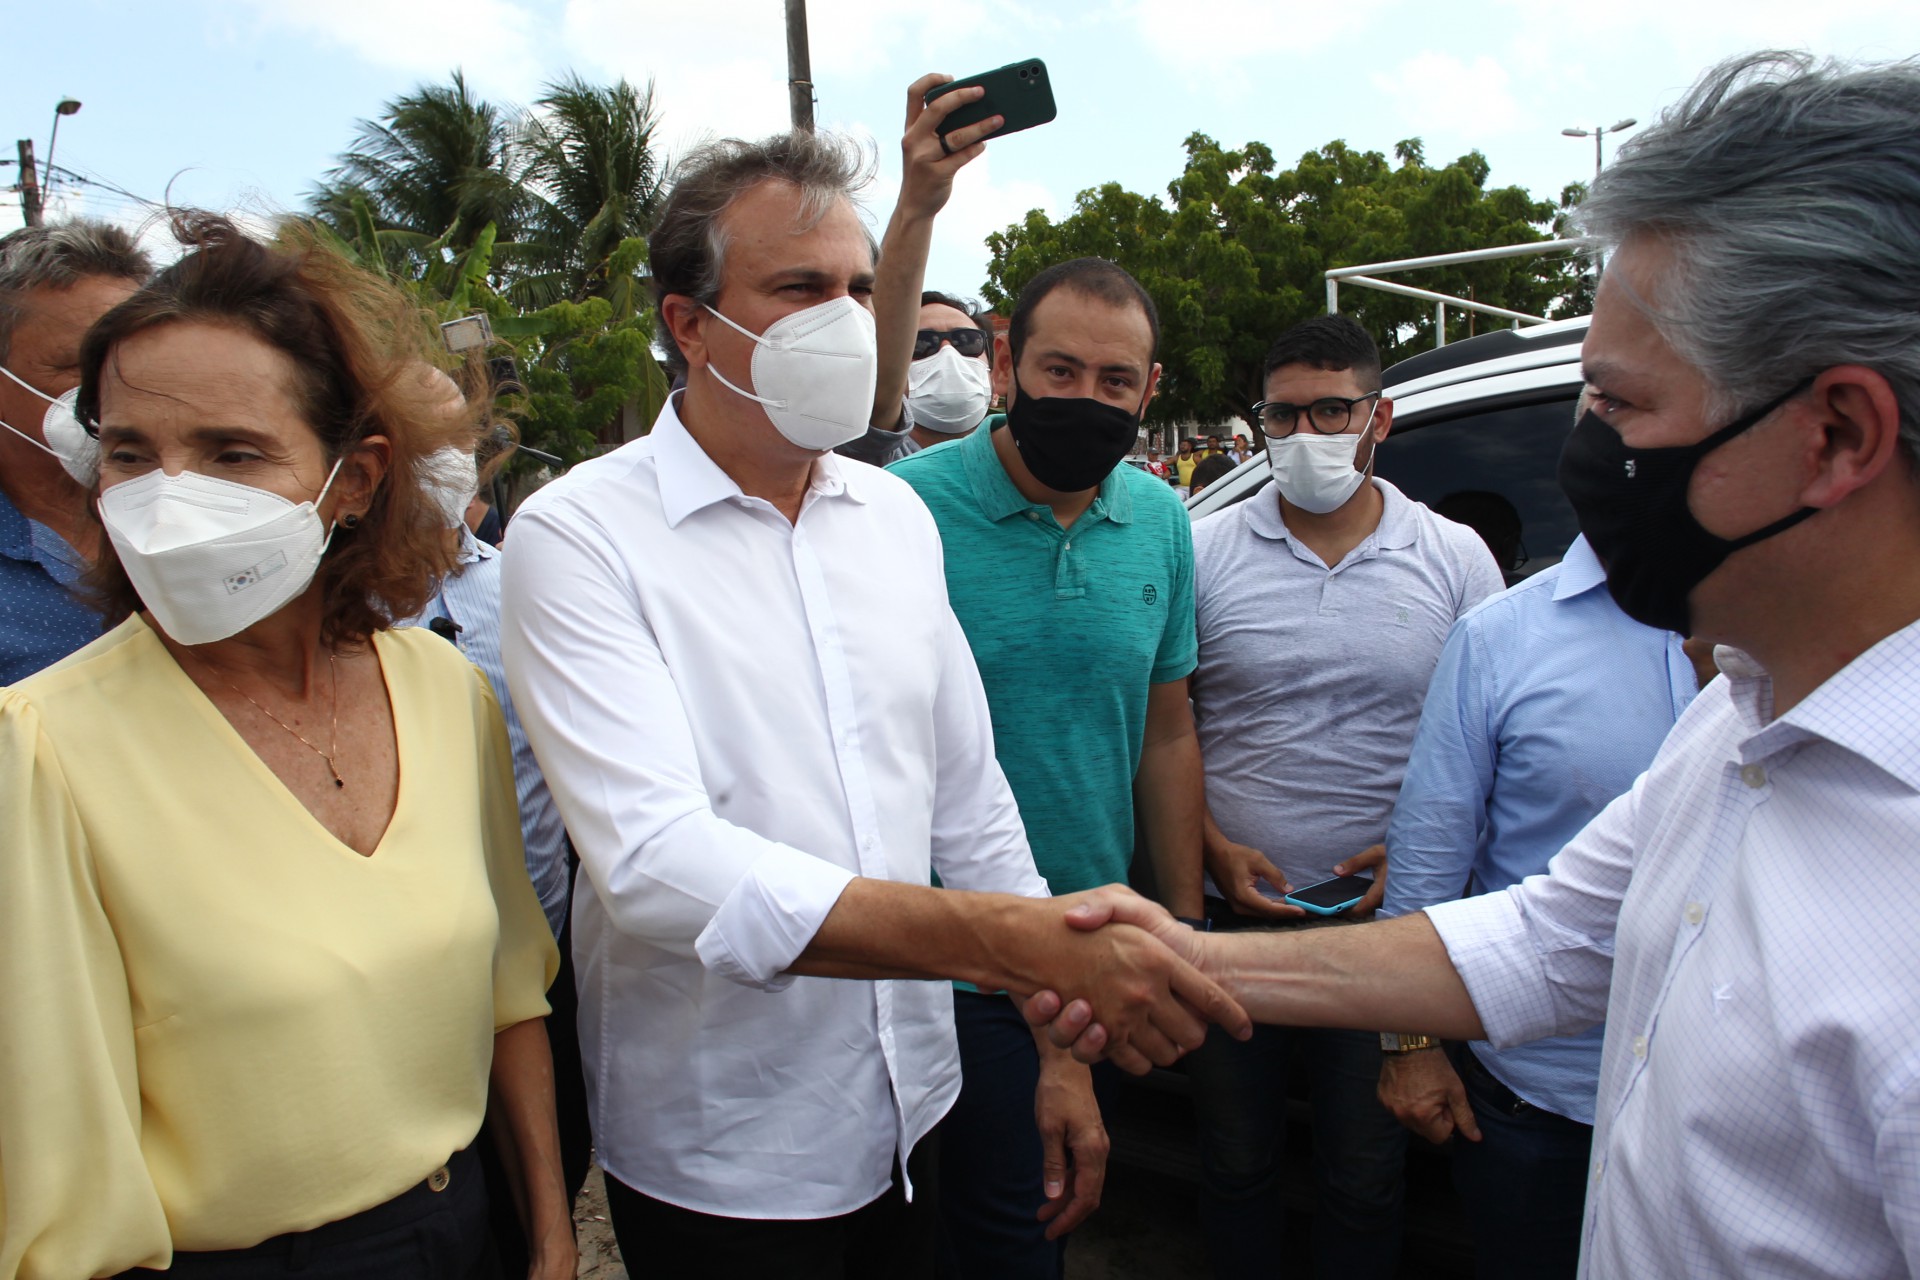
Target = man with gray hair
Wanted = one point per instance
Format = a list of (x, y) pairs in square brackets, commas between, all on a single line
[(1742, 920), (55, 281), (702, 634)]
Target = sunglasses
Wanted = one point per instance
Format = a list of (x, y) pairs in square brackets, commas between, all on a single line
[(968, 342)]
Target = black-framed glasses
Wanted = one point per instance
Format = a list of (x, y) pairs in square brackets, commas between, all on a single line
[(1329, 415), (968, 342)]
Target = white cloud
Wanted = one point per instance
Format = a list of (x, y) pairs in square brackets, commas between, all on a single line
[(1215, 44), (1441, 92), (494, 41)]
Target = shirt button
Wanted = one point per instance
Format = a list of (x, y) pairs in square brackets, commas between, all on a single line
[(1695, 913), (439, 1179), (1639, 1046), (1033, 515), (1753, 775), (1599, 1167), (867, 843), (1069, 546)]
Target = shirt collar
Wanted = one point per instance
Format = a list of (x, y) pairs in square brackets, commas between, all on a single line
[(1867, 707), (16, 533), (31, 542), (1580, 571), (690, 481), (472, 549), (1399, 523), (994, 490)]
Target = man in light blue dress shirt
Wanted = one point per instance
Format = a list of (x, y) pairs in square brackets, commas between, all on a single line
[(1548, 702)]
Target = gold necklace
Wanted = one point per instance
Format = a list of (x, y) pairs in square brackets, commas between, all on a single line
[(333, 673)]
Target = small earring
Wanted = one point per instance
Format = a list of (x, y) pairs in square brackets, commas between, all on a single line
[(350, 521)]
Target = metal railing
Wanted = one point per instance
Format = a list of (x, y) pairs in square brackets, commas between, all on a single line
[(1365, 277)]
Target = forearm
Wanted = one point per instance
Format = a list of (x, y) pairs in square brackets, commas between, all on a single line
[(1395, 974), (897, 282), (1173, 815), (520, 1106), (883, 929)]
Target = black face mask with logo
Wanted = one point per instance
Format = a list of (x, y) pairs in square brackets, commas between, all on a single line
[(1632, 505), (1070, 443)]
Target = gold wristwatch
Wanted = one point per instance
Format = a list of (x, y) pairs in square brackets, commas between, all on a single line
[(1402, 1042)]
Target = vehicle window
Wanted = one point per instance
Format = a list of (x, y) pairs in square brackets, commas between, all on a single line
[(1494, 470)]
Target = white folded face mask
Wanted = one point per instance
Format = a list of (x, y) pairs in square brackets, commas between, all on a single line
[(1318, 473), (949, 392), (212, 557), (66, 439), (814, 371)]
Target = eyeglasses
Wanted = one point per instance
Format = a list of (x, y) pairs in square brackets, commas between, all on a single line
[(1329, 415), (968, 342)]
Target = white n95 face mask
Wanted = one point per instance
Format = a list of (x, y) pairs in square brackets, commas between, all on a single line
[(1316, 473), (450, 477), (949, 392), (210, 557), (815, 372), (67, 440)]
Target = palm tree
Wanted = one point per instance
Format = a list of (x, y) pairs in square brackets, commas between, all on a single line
[(437, 166), (589, 163)]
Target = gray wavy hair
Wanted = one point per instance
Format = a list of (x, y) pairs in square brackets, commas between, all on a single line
[(687, 249), (59, 256), (1790, 189)]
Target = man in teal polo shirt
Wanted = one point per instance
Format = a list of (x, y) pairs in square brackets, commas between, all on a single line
[(1072, 575)]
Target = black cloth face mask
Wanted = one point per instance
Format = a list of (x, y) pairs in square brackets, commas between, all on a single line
[(1070, 443), (1632, 505)]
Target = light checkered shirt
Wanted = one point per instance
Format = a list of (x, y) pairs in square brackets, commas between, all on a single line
[(1747, 922)]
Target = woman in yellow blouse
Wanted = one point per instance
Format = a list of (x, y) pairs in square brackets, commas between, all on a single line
[(266, 937)]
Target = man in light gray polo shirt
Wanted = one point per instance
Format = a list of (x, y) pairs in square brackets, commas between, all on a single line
[(1322, 607)]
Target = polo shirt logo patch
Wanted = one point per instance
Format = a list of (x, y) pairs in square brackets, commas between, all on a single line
[(1149, 593), (1402, 615)]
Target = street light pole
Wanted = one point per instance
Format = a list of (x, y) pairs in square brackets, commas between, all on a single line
[(799, 67), (64, 107), (1597, 133)]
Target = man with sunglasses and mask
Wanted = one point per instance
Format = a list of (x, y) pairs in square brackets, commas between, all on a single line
[(1322, 607), (1071, 574), (55, 281)]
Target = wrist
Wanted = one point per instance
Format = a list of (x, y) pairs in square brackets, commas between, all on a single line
[(1400, 1043), (1002, 930)]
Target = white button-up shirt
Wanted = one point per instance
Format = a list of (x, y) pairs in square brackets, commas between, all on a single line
[(1747, 922), (737, 715)]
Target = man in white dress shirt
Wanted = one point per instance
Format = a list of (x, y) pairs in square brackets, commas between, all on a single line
[(701, 634), (1743, 920)]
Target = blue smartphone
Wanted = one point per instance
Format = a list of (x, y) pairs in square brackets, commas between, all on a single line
[(1331, 897)]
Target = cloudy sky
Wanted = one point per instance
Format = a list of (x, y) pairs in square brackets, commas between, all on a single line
[(243, 104)]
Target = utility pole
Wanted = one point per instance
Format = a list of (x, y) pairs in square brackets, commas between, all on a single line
[(29, 184), (799, 67)]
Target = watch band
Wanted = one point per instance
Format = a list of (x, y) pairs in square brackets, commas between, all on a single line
[(1405, 1042)]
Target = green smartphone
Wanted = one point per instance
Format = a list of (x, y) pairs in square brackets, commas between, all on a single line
[(1020, 91)]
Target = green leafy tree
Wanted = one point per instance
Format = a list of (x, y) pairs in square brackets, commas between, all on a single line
[(1235, 254)]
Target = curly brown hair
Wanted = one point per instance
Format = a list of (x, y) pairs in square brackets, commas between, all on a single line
[(358, 344)]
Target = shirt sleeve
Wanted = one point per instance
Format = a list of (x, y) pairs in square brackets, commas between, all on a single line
[(526, 959), (1896, 1158), (1483, 577), (75, 1195), (1538, 958), (612, 736), (1179, 651), (1441, 814), (978, 840)]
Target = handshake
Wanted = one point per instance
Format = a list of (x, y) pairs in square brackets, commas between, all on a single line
[(1115, 976)]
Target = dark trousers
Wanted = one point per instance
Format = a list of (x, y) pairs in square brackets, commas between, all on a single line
[(421, 1234), (886, 1240), (1524, 1183), (991, 1187), (570, 1109), (1359, 1150)]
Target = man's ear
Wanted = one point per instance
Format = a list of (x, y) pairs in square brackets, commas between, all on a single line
[(1002, 368), (1382, 420), (1858, 436), (686, 319), (1153, 385)]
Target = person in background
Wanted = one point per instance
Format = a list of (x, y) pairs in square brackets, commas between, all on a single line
[(1742, 919), (1323, 605), (465, 611), (55, 281), (704, 633), (932, 382), (1184, 462), (1157, 465), (1211, 468), (1241, 450), (1548, 702), (1072, 576), (268, 990)]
